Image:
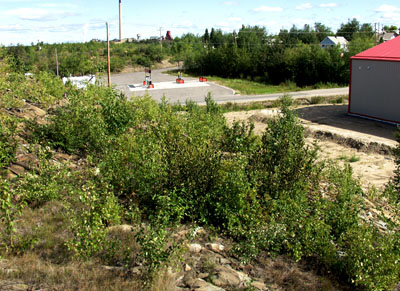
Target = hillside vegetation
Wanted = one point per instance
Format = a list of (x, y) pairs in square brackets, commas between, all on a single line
[(77, 166)]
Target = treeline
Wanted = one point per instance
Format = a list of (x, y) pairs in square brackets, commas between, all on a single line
[(291, 56), (85, 58)]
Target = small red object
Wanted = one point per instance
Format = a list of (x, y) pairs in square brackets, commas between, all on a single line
[(151, 86)]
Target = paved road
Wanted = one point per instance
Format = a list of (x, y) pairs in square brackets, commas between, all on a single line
[(220, 94)]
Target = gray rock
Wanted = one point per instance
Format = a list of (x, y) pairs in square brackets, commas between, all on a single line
[(201, 285), (195, 248), (224, 261), (259, 285), (227, 277), (203, 275), (215, 247), (187, 268)]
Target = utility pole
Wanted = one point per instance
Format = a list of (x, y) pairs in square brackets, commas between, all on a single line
[(120, 21), (161, 38), (108, 58)]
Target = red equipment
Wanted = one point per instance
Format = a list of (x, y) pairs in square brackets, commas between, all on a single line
[(202, 79), (180, 80), (147, 76)]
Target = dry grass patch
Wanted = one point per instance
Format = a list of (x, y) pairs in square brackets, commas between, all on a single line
[(36, 273)]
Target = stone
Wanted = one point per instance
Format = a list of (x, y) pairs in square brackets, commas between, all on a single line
[(201, 285), (195, 248), (187, 268), (180, 282), (224, 261), (199, 231), (203, 275), (259, 285), (215, 247), (121, 228), (113, 269), (17, 170), (62, 156), (227, 277), (11, 175), (181, 234), (36, 110)]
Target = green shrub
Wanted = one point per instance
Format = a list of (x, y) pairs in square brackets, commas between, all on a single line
[(8, 144), (176, 155), (239, 138), (317, 100), (90, 211), (370, 258), (283, 163), (9, 212), (44, 88), (396, 178), (89, 121), (50, 181)]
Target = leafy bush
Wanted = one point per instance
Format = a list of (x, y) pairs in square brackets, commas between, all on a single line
[(283, 163), (9, 212), (90, 211), (239, 138), (396, 178), (370, 258), (175, 155), (8, 144), (49, 181), (89, 120)]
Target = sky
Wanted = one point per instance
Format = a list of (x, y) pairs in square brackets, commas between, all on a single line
[(51, 21)]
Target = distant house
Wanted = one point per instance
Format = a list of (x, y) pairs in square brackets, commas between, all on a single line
[(385, 36), (80, 82), (331, 41)]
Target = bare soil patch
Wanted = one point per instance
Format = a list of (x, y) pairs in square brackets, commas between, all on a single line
[(162, 65), (365, 144)]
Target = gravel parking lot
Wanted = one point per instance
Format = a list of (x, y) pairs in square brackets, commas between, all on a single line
[(173, 95)]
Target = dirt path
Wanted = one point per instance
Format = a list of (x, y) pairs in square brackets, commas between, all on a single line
[(365, 144)]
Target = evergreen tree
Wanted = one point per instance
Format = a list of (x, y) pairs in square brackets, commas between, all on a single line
[(206, 37)]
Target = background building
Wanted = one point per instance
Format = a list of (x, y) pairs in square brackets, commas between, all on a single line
[(374, 81)]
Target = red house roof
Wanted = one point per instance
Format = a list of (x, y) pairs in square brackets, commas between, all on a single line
[(387, 51)]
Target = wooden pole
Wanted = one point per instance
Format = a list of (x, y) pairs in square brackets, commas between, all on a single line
[(108, 58), (57, 62), (120, 21)]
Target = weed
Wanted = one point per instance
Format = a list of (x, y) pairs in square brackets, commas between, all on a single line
[(90, 212), (354, 159), (9, 212), (317, 100), (8, 144)]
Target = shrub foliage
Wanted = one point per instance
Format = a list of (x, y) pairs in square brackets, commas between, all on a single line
[(150, 163)]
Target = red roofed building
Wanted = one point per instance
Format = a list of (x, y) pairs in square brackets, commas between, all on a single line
[(374, 81)]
